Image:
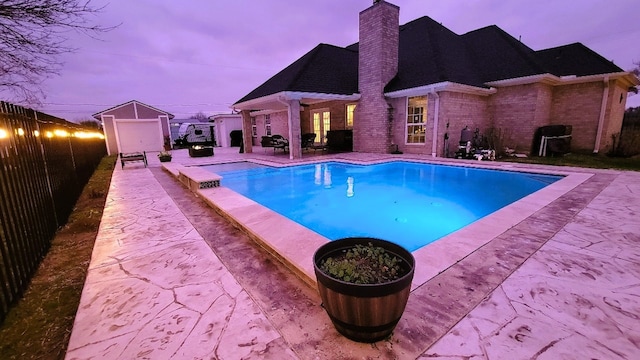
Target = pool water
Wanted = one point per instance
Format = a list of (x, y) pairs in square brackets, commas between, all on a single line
[(411, 204)]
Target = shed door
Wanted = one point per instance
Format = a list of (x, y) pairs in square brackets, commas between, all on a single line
[(139, 135)]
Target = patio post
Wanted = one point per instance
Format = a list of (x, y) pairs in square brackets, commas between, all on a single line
[(295, 149), (247, 138)]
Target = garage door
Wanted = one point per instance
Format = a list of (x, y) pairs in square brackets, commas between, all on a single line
[(134, 136)]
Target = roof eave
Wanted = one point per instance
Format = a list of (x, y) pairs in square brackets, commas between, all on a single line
[(275, 101), (98, 115), (628, 78), (441, 86)]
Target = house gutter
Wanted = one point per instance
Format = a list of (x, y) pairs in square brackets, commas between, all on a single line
[(603, 109), (436, 117)]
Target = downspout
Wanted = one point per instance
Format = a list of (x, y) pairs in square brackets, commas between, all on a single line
[(436, 116), (603, 109)]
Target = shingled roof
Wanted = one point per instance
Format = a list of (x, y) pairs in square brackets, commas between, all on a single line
[(575, 59), (429, 53), (325, 69)]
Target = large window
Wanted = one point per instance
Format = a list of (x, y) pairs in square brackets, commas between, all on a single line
[(351, 108), (254, 127), (416, 120), (267, 125)]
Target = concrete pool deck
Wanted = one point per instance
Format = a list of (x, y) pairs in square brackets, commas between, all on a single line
[(169, 277)]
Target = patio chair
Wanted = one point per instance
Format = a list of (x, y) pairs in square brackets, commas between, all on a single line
[(267, 141), (307, 140), (279, 142)]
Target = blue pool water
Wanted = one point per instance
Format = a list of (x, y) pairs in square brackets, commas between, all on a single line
[(411, 204)]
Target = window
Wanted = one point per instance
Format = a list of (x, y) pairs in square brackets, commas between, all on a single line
[(254, 127), (416, 120), (321, 124), (351, 108), (267, 124)]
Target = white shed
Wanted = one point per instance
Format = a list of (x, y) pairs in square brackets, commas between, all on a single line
[(224, 124), (134, 127)]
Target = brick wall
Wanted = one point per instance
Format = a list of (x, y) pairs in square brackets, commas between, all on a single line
[(517, 112), (614, 116), (460, 110), (521, 109), (377, 65), (578, 105)]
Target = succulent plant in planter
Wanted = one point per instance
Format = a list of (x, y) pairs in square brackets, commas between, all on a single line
[(364, 264), (164, 156), (364, 284)]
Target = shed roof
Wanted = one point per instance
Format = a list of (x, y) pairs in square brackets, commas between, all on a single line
[(111, 109)]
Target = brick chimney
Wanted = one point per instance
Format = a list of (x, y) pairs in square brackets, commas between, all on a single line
[(377, 65)]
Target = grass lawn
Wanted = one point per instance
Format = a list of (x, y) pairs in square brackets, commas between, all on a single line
[(584, 160), (40, 325)]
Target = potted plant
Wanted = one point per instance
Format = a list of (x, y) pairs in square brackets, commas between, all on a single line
[(364, 284), (164, 156)]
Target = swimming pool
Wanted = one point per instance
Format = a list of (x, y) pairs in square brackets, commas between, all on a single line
[(409, 203)]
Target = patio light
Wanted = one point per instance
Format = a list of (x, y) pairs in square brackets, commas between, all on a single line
[(3, 134)]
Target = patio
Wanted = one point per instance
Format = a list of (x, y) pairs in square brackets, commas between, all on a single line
[(171, 278)]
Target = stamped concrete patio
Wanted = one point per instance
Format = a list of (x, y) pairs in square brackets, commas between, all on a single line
[(172, 278)]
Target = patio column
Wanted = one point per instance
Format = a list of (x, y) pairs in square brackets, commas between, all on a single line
[(295, 151), (247, 137)]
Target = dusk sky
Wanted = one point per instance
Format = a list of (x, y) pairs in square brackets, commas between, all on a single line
[(195, 56)]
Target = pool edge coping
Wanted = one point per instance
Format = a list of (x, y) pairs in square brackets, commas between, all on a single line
[(277, 234)]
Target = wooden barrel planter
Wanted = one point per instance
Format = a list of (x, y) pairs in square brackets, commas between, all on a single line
[(364, 312)]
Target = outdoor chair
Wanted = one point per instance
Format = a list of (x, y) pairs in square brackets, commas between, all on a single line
[(307, 140), (279, 142), (267, 141)]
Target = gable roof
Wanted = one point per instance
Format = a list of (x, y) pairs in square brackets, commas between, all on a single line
[(429, 53), (325, 69), (98, 114)]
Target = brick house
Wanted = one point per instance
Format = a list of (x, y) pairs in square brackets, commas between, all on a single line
[(414, 85)]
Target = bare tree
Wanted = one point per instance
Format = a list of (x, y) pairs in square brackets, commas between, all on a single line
[(636, 71), (91, 124), (33, 34), (200, 116)]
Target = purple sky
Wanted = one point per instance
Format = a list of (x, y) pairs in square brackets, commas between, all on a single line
[(186, 57)]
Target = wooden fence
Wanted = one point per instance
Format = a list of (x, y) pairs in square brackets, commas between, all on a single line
[(45, 162)]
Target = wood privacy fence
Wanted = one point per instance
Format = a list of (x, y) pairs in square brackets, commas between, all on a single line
[(44, 164)]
